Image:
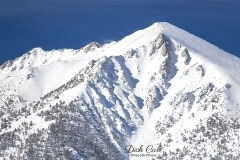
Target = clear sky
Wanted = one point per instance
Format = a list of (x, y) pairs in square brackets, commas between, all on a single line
[(55, 24)]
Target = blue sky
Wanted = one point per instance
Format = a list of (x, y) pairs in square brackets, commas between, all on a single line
[(55, 24)]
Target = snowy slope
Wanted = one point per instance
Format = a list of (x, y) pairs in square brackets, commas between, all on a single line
[(158, 93)]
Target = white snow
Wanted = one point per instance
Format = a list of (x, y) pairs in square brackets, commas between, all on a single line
[(135, 70)]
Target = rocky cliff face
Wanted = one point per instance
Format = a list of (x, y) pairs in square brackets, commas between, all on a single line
[(159, 93)]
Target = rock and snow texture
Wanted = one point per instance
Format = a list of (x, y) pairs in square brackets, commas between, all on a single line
[(160, 89)]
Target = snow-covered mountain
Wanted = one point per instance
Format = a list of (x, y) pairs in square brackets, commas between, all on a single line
[(159, 93)]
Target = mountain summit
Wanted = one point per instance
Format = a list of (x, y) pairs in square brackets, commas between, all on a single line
[(159, 93)]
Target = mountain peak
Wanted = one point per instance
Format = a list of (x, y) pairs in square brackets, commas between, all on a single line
[(160, 90), (209, 53), (161, 25), (37, 49)]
